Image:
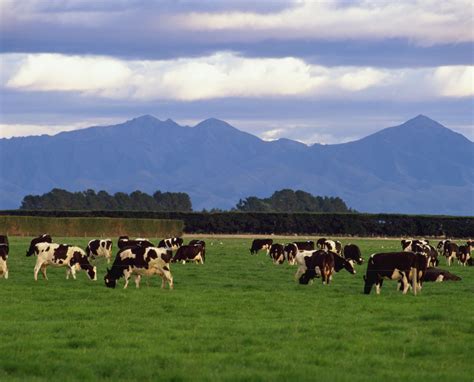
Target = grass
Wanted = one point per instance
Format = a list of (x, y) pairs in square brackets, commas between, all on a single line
[(237, 317)]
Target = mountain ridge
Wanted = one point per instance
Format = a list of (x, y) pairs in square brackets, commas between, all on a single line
[(406, 168)]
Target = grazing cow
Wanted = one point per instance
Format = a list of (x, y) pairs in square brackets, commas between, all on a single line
[(140, 261), (464, 254), (4, 243), (413, 245), (97, 247), (172, 243), (45, 238), (259, 244), (441, 246), (392, 266), (192, 253), (124, 242), (332, 246), (3, 261), (451, 251), (432, 254), (439, 275), (290, 251), (305, 265), (319, 263), (352, 252), (62, 255), (305, 245), (277, 253)]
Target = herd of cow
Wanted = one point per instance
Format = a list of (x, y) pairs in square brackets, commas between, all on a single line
[(416, 263), (136, 257)]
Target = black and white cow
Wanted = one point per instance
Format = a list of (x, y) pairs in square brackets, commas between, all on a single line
[(290, 251), (259, 244), (439, 275), (3, 261), (413, 245), (140, 261), (305, 265), (277, 253), (5, 243), (441, 246), (305, 245), (99, 248), (62, 255), (400, 266), (464, 254), (331, 245), (124, 242), (352, 252), (451, 252), (44, 238), (190, 253), (172, 243)]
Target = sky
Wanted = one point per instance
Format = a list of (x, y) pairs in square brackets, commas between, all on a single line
[(313, 71)]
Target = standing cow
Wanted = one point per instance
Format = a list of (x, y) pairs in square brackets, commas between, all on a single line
[(352, 252), (62, 255), (330, 245), (320, 259), (172, 243), (392, 266), (192, 253), (99, 248), (277, 253), (140, 261), (259, 244), (464, 254), (451, 252)]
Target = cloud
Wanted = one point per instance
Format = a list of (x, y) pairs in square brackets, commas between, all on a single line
[(426, 22), (226, 75)]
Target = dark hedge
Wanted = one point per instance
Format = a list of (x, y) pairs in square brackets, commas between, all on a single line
[(293, 223)]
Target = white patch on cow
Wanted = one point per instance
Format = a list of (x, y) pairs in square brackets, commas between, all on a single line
[(439, 279), (127, 254)]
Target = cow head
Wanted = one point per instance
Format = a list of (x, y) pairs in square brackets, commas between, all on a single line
[(110, 280), (367, 285)]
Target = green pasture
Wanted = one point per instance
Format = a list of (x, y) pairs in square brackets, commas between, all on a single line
[(237, 317)]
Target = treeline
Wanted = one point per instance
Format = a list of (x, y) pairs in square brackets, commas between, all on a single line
[(287, 200), (58, 199), (315, 224)]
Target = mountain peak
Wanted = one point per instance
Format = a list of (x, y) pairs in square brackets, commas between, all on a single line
[(421, 121), (214, 123), (145, 118)]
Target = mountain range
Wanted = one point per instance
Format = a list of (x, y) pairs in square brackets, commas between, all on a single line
[(418, 167)]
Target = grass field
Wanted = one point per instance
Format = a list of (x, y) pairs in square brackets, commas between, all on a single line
[(236, 317)]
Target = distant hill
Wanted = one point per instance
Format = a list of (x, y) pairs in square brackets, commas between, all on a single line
[(417, 167)]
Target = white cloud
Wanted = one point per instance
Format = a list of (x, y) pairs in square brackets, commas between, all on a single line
[(455, 81), (426, 22), (228, 75)]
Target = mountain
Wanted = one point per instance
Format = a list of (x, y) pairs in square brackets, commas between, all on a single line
[(417, 167)]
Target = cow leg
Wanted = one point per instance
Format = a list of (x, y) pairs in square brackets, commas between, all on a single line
[(43, 271), (166, 277), (406, 284), (126, 276), (5, 272), (37, 269), (137, 280), (299, 272)]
